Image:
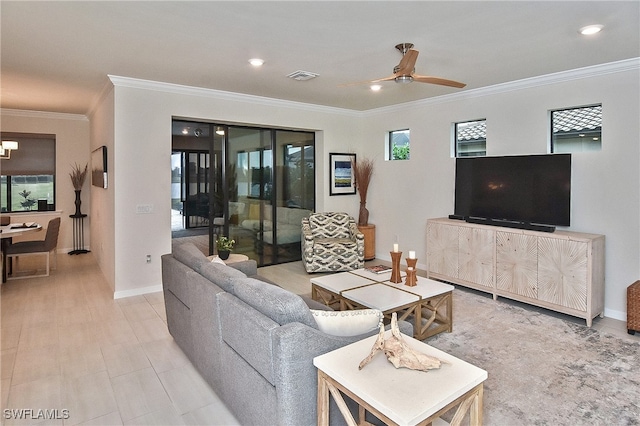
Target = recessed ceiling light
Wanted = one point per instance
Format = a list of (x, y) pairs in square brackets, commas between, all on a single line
[(376, 87), (590, 29), (256, 62)]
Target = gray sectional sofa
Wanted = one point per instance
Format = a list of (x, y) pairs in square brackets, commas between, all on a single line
[(252, 341)]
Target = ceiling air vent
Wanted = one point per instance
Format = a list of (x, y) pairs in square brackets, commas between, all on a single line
[(302, 75)]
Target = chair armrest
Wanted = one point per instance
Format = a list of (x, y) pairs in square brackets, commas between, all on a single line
[(355, 232), (306, 233)]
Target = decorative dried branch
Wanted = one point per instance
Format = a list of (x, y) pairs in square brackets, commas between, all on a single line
[(362, 171), (78, 176)]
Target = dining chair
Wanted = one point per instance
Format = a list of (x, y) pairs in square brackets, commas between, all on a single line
[(46, 246)]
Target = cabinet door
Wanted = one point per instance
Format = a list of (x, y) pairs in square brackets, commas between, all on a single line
[(562, 272), (476, 248), (442, 249), (516, 263)]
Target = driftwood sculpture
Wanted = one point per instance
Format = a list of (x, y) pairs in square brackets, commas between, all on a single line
[(398, 351)]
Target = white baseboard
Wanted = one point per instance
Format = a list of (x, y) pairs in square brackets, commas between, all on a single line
[(137, 291), (618, 315)]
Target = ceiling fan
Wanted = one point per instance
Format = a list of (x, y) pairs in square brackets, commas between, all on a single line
[(404, 72)]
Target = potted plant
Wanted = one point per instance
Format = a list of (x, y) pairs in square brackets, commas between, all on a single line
[(362, 172), (78, 175), (224, 246)]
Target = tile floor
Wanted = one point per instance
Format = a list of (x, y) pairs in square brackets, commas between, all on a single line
[(67, 345)]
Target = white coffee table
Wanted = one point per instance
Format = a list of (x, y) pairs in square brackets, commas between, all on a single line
[(327, 289), (399, 396), (429, 299)]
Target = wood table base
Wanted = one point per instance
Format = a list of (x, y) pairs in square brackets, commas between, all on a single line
[(470, 402), (437, 311)]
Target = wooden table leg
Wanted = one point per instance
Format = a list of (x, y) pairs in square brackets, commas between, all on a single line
[(323, 400), (475, 413)]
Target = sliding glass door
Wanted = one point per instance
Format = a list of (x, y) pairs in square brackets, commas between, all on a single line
[(254, 185)]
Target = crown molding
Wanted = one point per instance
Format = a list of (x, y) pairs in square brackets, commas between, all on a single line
[(527, 83), (134, 83), (42, 114)]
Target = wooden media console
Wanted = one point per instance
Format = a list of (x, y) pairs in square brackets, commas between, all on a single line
[(561, 271)]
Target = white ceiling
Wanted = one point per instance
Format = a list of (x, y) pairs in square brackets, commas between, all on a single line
[(55, 56)]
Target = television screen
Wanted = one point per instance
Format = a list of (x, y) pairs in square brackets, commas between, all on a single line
[(532, 189), (99, 167)]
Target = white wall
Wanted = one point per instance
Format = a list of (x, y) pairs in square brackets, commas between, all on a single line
[(72, 146), (605, 198), (133, 119), (141, 165), (102, 200)]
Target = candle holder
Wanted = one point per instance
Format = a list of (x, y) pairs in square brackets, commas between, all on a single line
[(395, 267), (411, 263), (411, 277)]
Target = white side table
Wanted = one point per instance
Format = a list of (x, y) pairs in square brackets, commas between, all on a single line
[(233, 258), (398, 396)]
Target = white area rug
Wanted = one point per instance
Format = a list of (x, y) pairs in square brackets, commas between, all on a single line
[(543, 370)]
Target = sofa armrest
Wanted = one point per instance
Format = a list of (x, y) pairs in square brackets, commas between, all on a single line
[(295, 347), (248, 267)]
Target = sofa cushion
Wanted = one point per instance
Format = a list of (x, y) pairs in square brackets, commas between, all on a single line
[(223, 276), (190, 255), (348, 323), (280, 305)]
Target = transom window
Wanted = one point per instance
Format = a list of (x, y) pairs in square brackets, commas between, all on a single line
[(470, 138), (399, 144), (576, 129), (28, 175)]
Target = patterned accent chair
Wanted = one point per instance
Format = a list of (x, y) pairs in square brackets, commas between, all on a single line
[(331, 242)]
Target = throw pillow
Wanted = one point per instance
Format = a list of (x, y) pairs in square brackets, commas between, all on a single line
[(348, 323), (216, 259)]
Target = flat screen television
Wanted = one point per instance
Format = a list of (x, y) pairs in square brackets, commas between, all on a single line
[(518, 191)]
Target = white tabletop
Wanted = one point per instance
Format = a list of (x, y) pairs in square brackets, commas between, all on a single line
[(385, 276), (405, 396), (233, 258), (337, 283), (12, 230), (380, 296), (425, 287)]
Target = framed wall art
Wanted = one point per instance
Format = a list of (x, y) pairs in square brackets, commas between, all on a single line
[(99, 167), (341, 178)]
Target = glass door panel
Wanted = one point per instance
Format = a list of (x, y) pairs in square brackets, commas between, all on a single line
[(197, 189), (249, 177), (295, 192)]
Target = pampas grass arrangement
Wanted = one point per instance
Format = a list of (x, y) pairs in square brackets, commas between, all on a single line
[(78, 176), (362, 171)]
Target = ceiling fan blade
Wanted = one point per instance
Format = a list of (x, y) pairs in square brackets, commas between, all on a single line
[(408, 62), (391, 77), (438, 80)]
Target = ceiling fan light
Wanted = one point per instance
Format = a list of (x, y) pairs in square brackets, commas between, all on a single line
[(404, 79), (376, 87), (256, 62), (590, 29)]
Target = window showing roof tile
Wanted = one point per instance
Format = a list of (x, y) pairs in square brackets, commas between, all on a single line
[(577, 119), (472, 130)]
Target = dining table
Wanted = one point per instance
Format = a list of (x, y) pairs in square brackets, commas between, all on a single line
[(7, 233)]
